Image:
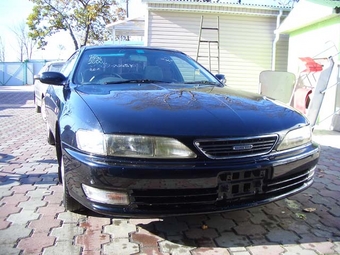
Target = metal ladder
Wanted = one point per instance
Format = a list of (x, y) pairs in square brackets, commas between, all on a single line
[(211, 46)]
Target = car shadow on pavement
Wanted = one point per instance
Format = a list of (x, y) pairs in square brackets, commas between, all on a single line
[(4, 158), (26, 175), (14, 179), (12, 99)]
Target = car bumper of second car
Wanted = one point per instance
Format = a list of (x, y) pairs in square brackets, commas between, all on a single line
[(158, 188)]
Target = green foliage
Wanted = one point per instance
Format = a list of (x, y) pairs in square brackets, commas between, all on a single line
[(85, 20)]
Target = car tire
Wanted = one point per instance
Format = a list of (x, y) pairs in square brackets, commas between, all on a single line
[(70, 203), (37, 109), (50, 137), (43, 109)]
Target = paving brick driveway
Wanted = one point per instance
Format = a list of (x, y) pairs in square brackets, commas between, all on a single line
[(33, 220)]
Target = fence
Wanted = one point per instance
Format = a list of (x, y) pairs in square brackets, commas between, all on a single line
[(19, 73)]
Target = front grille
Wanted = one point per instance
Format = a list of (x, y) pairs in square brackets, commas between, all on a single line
[(236, 147)]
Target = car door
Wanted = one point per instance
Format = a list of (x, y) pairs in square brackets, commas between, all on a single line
[(56, 95)]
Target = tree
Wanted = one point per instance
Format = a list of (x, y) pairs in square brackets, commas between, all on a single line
[(85, 20), (25, 43)]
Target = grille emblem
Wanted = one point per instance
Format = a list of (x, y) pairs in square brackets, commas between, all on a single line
[(243, 147)]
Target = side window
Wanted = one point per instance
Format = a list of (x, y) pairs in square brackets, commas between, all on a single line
[(56, 67), (68, 66), (190, 73)]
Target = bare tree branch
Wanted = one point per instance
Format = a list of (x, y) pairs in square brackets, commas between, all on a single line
[(25, 43)]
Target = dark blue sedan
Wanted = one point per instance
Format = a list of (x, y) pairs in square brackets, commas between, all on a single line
[(149, 132)]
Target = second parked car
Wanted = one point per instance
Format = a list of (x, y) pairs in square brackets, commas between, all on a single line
[(40, 88)]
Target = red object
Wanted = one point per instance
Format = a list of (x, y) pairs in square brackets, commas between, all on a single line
[(301, 99), (311, 65)]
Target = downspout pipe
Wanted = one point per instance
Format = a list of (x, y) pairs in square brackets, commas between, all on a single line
[(276, 39)]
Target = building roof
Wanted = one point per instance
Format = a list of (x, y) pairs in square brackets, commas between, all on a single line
[(309, 12), (129, 27), (242, 3)]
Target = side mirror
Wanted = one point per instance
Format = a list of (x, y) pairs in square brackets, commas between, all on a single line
[(53, 78), (221, 78)]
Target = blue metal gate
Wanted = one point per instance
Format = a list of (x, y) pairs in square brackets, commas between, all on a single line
[(19, 73)]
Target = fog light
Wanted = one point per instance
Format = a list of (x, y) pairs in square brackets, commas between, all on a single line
[(106, 196)]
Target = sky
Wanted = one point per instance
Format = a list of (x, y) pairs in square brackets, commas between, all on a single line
[(15, 12), (12, 14)]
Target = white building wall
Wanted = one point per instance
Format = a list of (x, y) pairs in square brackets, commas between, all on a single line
[(245, 42), (174, 30)]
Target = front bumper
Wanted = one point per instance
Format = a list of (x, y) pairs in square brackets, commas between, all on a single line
[(166, 188)]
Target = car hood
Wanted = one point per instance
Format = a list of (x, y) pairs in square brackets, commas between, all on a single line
[(185, 111)]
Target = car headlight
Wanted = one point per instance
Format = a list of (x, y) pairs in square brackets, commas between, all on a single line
[(295, 138), (91, 141), (132, 145)]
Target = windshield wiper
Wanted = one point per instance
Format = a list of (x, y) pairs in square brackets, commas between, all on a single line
[(202, 82), (136, 81)]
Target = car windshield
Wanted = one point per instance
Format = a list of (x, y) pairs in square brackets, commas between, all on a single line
[(140, 65)]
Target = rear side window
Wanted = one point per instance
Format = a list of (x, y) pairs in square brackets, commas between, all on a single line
[(56, 67)]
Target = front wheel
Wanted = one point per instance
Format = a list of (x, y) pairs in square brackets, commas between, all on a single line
[(70, 203), (37, 109), (50, 136), (43, 109)]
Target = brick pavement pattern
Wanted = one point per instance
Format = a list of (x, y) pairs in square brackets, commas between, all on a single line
[(33, 219)]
